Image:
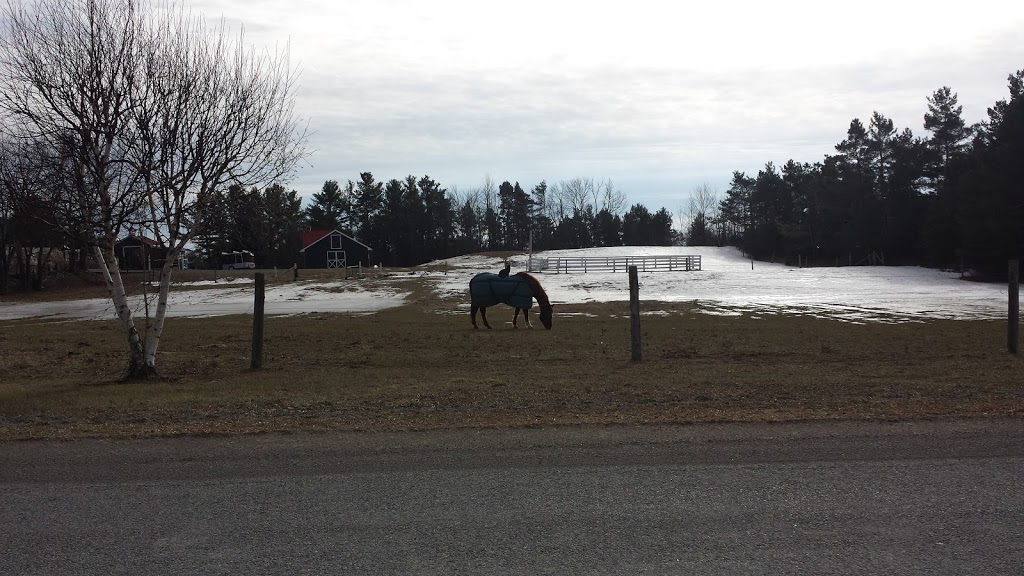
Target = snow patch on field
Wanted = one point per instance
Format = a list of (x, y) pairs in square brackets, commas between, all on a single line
[(726, 285), (279, 299)]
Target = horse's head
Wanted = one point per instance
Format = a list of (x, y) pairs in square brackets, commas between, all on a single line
[(545, 315)]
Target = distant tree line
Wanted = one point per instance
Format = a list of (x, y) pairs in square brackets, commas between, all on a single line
[(954, 198), (416, 220), (267, 222)]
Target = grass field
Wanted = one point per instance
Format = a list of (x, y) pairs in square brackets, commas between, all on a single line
[(422, 366)]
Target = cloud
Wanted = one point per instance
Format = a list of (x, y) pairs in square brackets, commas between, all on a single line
[(656, 96)]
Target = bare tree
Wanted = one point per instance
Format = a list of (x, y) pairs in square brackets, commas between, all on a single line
[(702, 215), (472, 196), (555, 208), (577, 193), (488, 192), (703, 200), (240, 128), (157, 111), (470, 216), (611, 199)]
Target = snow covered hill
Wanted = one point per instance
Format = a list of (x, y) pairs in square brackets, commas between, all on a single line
[(727, 284)]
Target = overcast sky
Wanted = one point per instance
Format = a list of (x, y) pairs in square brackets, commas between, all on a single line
[(658, 96)]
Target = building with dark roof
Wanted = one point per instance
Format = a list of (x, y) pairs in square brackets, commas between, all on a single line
[(332, 249), (136, 252)]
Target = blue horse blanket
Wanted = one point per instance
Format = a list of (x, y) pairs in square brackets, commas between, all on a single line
[(488, 289)]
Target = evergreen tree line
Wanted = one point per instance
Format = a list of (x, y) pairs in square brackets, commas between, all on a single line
[(415, 220), (266, 222), (954, 198)]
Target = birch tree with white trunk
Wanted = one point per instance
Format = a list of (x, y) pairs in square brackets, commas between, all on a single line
[(157, 110)]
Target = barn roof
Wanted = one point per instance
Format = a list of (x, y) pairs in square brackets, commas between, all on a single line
[(310, 237)]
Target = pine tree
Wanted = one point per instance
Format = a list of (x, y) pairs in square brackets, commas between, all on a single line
[(284, 208), (661, 228), (734, 210), (699, 233), (514, 209), (493, 227), (394, 249), (414, 223), (540, 222), (636, 227), (440, 218), (947, 150), (991, 211), (949, 131), (366, 210), (607, 228), (330, 207), (468, 228)]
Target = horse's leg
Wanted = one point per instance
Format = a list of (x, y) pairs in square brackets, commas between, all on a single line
[(515, 319), (526, 316), (483, 315), (472, 314)]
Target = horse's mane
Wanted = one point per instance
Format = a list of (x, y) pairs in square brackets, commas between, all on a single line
[(538, 290)]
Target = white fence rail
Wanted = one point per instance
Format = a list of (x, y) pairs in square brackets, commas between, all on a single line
[(577, 264)]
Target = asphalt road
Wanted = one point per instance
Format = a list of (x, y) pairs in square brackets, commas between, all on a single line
[(867, 498)]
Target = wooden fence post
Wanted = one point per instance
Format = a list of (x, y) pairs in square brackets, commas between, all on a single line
[(257, 325), (1013, 319), (634, 312)]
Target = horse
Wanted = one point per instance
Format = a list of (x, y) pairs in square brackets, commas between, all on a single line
[(517, 290)]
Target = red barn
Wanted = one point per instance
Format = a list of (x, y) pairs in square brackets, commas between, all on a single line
[(139, 253)]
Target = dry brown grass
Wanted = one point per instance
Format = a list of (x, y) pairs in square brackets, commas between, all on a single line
[(423, 366)]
